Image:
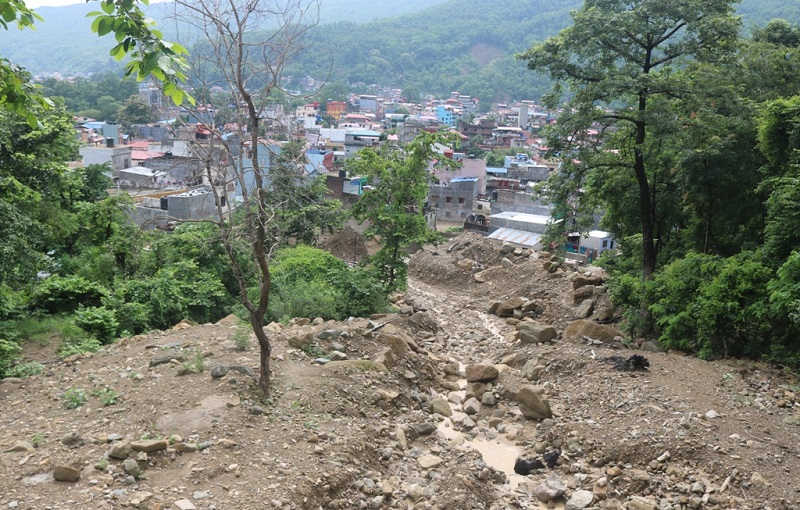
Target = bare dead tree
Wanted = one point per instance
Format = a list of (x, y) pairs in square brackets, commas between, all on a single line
[(241, 48)]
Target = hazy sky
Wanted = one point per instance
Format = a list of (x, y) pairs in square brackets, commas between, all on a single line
[(59, 3), (51, 3)]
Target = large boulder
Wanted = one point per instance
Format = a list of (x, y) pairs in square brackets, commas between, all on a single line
[(592, 330), (481, 373), (552, 488), (585, 309), (507, 307), (534, 333), (582, 280), (533, 403), (582, 293)]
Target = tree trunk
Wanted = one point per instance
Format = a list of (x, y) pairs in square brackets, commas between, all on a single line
[(265, 350)]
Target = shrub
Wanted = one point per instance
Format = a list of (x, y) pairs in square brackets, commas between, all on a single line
[(305, 263), (195, 364), (65, 294), (241, 337), (713, 306), (362, 292), (100, 322), (304, 299), (24, 370), (79, 346), (9, 353), (107, 396), (74, 397)]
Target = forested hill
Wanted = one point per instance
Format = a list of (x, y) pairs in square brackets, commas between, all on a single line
[(431, 45)]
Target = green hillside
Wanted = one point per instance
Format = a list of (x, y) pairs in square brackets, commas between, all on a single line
[(434, 46)]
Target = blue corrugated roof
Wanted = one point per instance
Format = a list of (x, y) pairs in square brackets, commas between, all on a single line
[(464, 179), (496, 170)]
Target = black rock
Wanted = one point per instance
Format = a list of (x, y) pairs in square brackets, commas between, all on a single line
[(551, 458), (525, 466)]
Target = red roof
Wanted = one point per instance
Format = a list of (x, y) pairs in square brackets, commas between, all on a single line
[(139, 145), (139, 155)]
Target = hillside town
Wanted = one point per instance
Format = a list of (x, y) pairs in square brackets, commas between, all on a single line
[(162, 164)]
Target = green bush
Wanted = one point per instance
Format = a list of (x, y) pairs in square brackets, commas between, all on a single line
[(305, 263), (304, 299), (179, 291), (74, 397), (24, 370), (712, 306), (79, 346), (9, 353), (362, 292), (100, 322), (59, 294)]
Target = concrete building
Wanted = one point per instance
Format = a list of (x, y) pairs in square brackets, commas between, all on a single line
[(356, 140), (119, 157), (448, 114), (142, 177), (367, 103), (336, 109), (455, 199), (474, 168)]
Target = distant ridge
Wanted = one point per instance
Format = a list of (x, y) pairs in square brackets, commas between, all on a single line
[(432, 45)]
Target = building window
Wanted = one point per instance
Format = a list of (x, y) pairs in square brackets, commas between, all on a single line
[(463, 215), (435, 199), (447, 214), (448, 199), (480, 207), (460, 200), (605, 243)]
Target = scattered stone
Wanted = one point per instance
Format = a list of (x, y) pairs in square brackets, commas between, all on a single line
[(524, 467), (758, 479), (425, 429), (150, 445), (219, 371), (593, 330), (579, 500), (471, 406), (534, 333), (533, 404), (488, 399), (552, 488), (184, 504), (101, 465), (338, 356), (585, 309), (578, 295), (507, 264), (167, 356), (711, 414), (72, 439), (640, 503), (131, 467), (120, 450), (506, 308), (481, 373), (580, 280), (20, 446), (440, 406), (66, 473), (429, 461), (257, 410), (329, 333)]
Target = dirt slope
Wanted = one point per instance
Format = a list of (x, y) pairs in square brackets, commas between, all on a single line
[(361, 434)]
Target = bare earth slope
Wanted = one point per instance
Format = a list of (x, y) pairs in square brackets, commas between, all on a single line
[(684, 433)]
